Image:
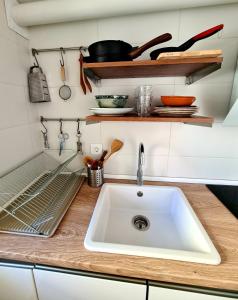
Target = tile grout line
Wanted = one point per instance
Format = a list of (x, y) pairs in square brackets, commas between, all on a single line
[(168, 156)]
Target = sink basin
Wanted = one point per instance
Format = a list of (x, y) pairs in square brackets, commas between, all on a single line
[(151, 221)]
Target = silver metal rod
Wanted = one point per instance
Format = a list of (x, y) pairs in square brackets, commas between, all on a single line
[(62, 119), (82, 48)]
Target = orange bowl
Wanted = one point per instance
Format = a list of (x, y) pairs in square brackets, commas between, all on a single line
[(178, 100)]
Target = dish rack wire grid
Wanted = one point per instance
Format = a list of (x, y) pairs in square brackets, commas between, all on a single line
[(35, 196)]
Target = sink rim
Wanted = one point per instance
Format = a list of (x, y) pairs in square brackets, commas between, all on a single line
[(211, 257)]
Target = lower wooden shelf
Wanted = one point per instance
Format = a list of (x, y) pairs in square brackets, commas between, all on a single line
[(196, 120)]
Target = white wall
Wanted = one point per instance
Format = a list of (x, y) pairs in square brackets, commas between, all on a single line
[(18, 118), (172, 149)]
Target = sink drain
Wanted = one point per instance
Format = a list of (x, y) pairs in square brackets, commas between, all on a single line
[(141, 223)]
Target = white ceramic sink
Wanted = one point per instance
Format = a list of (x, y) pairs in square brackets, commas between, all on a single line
[(173, 231)]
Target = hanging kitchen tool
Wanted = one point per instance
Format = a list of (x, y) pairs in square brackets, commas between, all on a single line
[(62, 137), (45, 135), (64, 91), (188, 44), (113, 50), (84, 82), (37, 84), (79, 143)]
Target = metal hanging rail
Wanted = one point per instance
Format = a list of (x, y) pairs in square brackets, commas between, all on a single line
[(61, 119), (43, 119), (80, 48)]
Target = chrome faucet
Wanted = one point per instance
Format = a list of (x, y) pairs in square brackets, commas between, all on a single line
[(140, 165)]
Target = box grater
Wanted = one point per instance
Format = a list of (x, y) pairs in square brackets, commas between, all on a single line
[(38, 87)]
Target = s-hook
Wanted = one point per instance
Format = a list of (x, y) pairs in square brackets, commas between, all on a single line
[(79, 144), (45, 134), (62, 57), (34, 53)]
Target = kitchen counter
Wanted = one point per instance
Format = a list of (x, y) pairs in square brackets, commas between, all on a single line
[(66, 248)]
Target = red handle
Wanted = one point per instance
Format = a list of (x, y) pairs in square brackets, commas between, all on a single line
[(208, 32)]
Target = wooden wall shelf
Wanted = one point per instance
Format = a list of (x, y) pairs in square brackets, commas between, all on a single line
[(193, 68), (195, 120)]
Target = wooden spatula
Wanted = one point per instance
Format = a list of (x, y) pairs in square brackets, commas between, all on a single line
[(115, 146)]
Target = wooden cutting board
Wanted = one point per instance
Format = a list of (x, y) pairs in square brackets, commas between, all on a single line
[(190, 54)]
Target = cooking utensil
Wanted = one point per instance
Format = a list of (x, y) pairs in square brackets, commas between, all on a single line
[(115, 146), (78, 135), (84, 82), (88, 161), (102, 158), (115, 50), (64, 90), (177, 100), (45, 135), (188, 44), (37, 83), (63, 136), (190, 54)]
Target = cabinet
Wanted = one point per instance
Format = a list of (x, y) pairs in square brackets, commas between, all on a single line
[(159, 293), (17, 282), (75, 286)]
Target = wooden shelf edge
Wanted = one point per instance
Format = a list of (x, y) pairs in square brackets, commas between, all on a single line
[(134, 63), (153, 118)]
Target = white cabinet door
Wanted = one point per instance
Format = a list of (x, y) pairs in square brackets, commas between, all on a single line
[(63, 286), (158, 293), (17, 284)]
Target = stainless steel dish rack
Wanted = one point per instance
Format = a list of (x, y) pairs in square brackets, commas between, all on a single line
[(35, 196)]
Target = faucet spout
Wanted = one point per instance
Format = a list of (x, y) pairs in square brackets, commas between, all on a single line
[(141, 159)]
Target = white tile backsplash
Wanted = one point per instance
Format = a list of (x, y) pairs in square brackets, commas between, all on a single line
[(139, 29), (19, 132), (132, 133), (196, 141), (120, 164), (16, 146), (175, 150), (196, 20), (212, 99), (207, 168)]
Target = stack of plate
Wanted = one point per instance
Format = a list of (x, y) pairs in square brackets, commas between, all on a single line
[(181, 111), (111, 111)]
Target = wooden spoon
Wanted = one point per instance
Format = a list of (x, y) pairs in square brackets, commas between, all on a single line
[(115, 146)]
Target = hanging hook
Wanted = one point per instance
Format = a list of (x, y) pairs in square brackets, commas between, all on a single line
[(34, 53), (45, 134), (62, 57), (61, 126), (78, 126), (42, 123)]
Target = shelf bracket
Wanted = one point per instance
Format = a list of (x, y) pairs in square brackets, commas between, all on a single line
[(197, 75), (92, 122), (199, 124), (90, 74)]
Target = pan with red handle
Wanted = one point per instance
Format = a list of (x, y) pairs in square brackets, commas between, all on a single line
[(188, 44)]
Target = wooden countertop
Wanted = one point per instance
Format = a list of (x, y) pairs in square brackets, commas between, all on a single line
[(66, 249)]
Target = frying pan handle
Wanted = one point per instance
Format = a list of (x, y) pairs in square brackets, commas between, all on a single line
[(208, 32), (158, 40)]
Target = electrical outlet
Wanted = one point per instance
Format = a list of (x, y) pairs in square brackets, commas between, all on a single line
[(96, 149)]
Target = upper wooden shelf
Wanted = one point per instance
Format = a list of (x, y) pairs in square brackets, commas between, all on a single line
[(192, 68), (196, 120)]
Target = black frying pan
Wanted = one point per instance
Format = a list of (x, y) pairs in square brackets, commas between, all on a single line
[(185, 46), (113, 50)]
